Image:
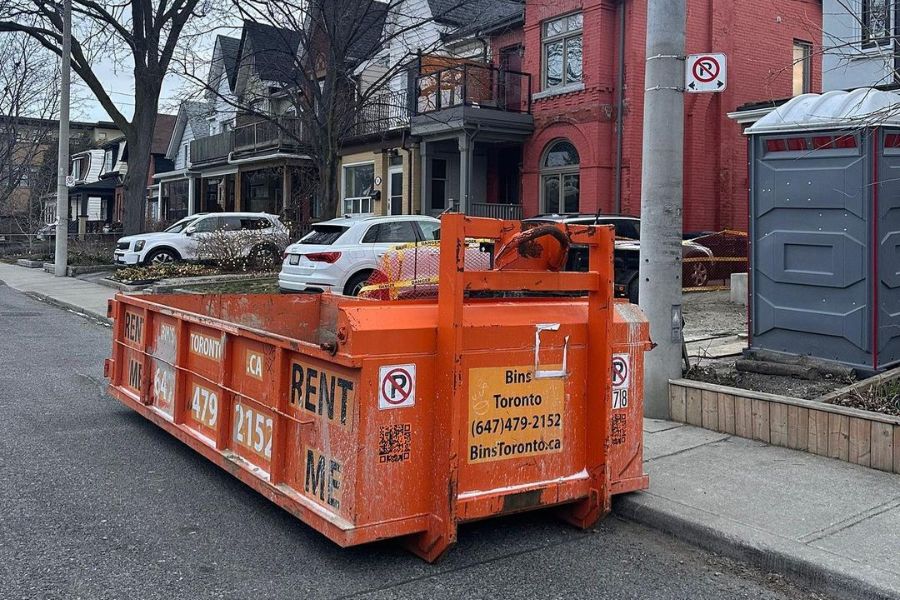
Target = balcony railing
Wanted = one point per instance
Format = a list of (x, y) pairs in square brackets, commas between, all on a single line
[(510, 212), (283, 134), (469, 84), (381, 113), (211, 149)]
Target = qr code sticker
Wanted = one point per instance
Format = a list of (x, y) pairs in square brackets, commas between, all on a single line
[(618, 429), (394, 443)]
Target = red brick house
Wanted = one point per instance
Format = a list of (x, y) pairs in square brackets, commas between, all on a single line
[(571, 48)]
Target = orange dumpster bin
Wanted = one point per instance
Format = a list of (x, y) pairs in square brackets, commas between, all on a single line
[(374, 419)]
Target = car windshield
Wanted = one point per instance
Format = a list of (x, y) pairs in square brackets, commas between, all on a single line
[(323, 235), (180, 225)]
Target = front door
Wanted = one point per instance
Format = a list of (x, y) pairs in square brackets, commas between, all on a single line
[(511, 80), (395, 190)]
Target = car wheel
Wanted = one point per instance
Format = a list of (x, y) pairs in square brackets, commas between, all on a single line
[(162, 256), (697, 275), (264, 258), (356, 283), (633, 288)]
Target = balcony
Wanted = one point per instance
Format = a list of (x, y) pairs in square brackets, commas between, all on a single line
[(211, 150), (495, 100), (384, 112), (286, 134)]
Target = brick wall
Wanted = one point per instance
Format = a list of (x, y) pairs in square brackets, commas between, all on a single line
[(758, 41)]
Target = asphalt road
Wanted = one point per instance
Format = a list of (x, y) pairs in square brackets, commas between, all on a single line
[(95, 502)]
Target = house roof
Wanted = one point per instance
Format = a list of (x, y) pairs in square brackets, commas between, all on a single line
[(471, 17), (274, 50), (229, 47), (371, 29), (191, 113), (863, 107), (165, 124)]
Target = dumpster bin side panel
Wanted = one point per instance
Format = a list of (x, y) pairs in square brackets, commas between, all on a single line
[(395, 432)]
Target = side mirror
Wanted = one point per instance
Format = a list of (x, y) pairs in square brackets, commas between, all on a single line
[(190, 231)]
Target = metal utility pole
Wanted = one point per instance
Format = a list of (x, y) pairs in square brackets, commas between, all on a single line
[(661, 199), (62, 167)]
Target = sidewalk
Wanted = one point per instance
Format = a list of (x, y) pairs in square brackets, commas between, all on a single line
[(832, 525), (68, 292)]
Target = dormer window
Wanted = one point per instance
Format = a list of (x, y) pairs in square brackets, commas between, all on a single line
[(76, 169), (108, 160)]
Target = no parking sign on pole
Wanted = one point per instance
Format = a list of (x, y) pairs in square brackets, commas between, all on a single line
[(706, 72)]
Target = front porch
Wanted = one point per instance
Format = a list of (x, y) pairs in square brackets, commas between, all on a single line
[(476, 177)]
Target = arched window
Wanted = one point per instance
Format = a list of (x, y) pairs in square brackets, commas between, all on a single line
[(559, 178)]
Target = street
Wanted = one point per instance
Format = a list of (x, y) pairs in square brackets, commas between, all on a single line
[(96, 502)]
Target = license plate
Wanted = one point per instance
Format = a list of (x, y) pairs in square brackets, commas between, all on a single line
[(295, 259)]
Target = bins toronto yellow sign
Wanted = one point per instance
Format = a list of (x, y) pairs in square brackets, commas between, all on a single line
[(512, 414)]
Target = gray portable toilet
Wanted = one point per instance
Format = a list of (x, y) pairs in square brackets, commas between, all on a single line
[(825, 228)]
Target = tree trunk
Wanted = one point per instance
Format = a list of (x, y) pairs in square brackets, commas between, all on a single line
[(329, 188), (136, 179)]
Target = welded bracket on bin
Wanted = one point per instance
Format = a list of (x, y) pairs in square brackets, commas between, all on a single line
[(548, 374)]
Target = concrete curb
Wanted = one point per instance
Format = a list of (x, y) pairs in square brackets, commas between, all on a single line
[(812, 567), (102, 319)]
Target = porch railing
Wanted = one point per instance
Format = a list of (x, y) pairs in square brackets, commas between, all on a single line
[(509, 212), (381, 113), (475, 85), (284, 133), (212, 148)]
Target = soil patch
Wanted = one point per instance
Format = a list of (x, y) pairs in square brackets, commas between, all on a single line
[(881, 397), (724, 373), (268, 285)]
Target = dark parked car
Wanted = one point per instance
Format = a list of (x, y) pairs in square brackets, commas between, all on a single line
[(626, 255)]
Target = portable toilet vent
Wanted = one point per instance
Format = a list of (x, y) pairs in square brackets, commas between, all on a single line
[(825, 228)]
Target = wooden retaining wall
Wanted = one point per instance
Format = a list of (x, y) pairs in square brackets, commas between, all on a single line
[(857, 436)]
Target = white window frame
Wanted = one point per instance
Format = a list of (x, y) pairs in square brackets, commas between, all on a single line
[(357, 204), (563, 38)]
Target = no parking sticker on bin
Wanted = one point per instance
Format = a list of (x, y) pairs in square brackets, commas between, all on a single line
[(397, 386), (621, 377)]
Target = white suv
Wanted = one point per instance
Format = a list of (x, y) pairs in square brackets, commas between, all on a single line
[(339, 255), (180, 241)]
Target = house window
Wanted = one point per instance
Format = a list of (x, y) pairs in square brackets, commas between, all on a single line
[(187, 153), (562, 51), (560, 179), (802, 67), (108, 161), (359, 181), (76, 169), (876, 22)]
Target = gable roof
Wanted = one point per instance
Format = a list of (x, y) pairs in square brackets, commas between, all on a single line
[(190, 113), (273, 50), (229, 48), (476, 16), (371, 29)]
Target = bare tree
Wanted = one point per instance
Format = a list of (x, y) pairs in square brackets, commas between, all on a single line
[(29, 97), (326, 45), (142, 34)]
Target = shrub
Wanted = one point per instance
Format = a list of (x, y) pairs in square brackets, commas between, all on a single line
[(244, 250), (161, 271)]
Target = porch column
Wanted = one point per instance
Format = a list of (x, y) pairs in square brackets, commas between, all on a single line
[(425, 190), (465, 168), (191, 207), (285, 189), (238, 200)]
